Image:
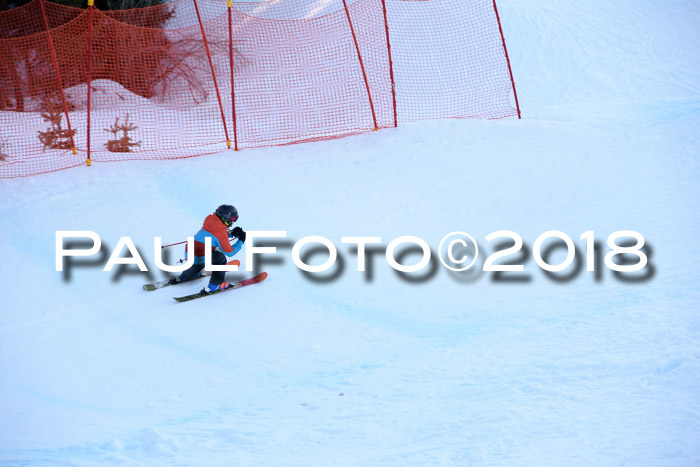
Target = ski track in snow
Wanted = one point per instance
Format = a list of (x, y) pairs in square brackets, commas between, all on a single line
[(455, 370)]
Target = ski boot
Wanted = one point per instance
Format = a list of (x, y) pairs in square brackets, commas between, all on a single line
[(210, 288)]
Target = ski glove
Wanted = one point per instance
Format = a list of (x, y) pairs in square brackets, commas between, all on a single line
[(240, 233)]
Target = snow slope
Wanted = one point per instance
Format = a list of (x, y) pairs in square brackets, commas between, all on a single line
[(379, 369)]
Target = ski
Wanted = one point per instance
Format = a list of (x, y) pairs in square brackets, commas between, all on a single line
[(253, 280), (166, 283)]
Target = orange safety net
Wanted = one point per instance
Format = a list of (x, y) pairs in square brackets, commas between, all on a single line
[(162, 87)]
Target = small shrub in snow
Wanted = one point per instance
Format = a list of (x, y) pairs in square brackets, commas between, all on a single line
[(123, 142), (55, 137)]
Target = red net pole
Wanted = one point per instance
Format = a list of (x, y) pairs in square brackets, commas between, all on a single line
[(233, 88), (89, 76), (58, 74), (391, 63), (505, 50), (362, 65), (213, 74)]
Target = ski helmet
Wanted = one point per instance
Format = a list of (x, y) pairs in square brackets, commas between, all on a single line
[(227, 213)]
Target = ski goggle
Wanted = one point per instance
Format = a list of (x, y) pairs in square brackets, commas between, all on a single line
[(229, 222)]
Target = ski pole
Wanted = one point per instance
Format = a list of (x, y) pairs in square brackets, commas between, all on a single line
[(173, 244)]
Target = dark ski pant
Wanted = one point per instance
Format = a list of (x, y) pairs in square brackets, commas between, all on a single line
[(217, 277)]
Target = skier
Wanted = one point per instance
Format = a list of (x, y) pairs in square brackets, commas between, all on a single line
[(217, 226)]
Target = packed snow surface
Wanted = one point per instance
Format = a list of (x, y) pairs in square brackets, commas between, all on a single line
[(377, 368)]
